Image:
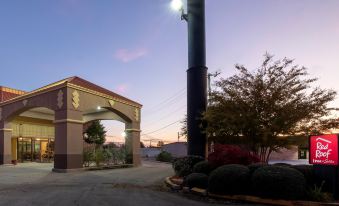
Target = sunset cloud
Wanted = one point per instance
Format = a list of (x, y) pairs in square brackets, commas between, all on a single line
[(121, 88), (126, 55)]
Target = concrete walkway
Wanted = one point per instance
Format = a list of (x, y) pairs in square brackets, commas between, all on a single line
[(35, 184)]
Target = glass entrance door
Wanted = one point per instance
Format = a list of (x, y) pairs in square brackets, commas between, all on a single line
[(24, 149), (35, 149)]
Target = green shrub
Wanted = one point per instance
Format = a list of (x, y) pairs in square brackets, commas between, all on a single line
[(279, 182), (88, 158), (184, 166), (229, 179), (118, 155), (253, 167), (196, 180), (107, 156), (281, 164), (316, 194), (202, 167), (308, 172), (99, 157), (164, 157)]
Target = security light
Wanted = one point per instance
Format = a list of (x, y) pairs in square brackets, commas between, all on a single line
[(177, 5)]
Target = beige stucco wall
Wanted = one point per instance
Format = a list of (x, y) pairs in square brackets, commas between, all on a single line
[(32, 130)]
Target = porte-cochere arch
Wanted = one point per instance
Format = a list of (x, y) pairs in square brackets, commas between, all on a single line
[(73, 101)]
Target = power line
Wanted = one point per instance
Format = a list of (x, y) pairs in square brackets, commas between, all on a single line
[(169, 100), (161, 128), (169, 114)]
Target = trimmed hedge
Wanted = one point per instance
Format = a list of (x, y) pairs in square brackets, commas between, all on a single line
[(229, 179), (184, 166), (309, 174), (279, 182), (196, 180), (164, 157), (253, 167), (202, 167), (281, 164)]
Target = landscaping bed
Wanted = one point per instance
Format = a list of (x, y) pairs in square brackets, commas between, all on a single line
[(234, 176), (171, 182), (107, 167)]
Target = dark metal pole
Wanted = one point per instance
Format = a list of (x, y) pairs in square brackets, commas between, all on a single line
[(196, 77)]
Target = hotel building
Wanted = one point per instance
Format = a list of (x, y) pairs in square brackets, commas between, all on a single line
[(47, 124)]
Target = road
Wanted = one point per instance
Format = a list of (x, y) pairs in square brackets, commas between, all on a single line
[(35, 184)]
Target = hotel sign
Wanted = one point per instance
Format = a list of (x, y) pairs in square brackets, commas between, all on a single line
[(324, 149)]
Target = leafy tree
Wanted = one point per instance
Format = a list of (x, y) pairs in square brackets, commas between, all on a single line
[(183, 129), (160, 143), (263, 109), (142, 145), (95, 133)]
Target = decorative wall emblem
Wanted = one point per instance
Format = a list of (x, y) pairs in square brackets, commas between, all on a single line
[(0, 113), (75, 99), (60, 99), (137, 114), (111, 102), (24, 102)]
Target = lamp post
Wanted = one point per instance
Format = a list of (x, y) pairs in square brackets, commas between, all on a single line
[(196, 74)]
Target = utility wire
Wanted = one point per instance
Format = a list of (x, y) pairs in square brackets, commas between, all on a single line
[(168, 105), (168, 100), (169, 114), (161, 128)]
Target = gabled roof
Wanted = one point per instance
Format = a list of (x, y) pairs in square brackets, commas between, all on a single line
[(79, 83), (89, 85), (7, 93)]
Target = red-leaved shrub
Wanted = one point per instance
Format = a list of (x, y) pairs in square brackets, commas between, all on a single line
[(231, 154)]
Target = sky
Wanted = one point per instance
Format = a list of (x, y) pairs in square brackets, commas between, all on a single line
[(139, 48)]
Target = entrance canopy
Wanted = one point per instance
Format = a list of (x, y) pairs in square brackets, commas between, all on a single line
[(67, 105)]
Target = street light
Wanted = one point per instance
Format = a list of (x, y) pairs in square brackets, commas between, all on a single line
[(177, 5), (196, 74)]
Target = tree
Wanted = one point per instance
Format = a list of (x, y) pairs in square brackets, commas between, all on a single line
[(261, 110), (183, 129), (142, 145), (160, 143), (95, 133)]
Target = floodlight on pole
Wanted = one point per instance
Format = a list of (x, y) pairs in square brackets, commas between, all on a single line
[(196, 74), (177, 5)]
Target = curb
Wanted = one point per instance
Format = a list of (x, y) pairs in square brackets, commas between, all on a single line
[(171, 185)]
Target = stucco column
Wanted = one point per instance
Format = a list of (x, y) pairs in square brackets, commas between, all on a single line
[(68, 149), (132, 131), (5, 143)]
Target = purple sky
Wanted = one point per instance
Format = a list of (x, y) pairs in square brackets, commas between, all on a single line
[(139, 48)]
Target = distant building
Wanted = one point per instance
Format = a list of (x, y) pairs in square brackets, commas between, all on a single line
[(297, 152), (293, 153), (150, 152), (177, 149)]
